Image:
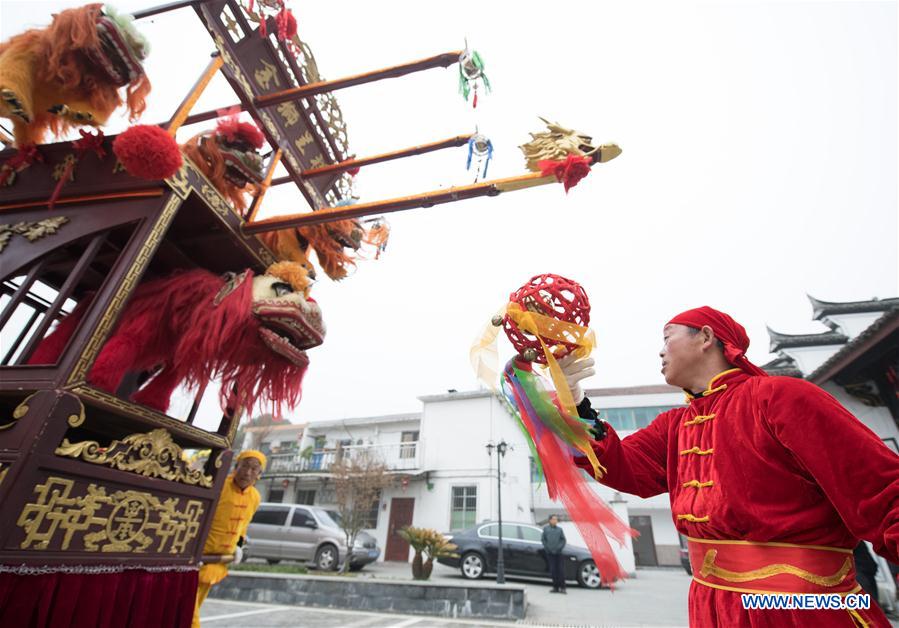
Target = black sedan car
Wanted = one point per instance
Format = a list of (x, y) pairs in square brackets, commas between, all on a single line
[(523, 554)]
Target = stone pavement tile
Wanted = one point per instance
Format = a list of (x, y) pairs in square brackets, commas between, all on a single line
[(229, 614)]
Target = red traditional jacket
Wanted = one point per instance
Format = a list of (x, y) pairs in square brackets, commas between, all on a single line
[(770, 460)]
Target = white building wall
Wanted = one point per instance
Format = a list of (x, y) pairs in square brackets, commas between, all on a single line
[(810, 358), (456, 432), (637, 401), (878, 419), (851, 325), (484, 419), (375, 433)]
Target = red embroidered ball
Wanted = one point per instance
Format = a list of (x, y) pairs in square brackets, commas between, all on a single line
[(553, 296), (148, 152)]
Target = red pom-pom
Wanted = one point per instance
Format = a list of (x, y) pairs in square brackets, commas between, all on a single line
[(234, 130), (287, 24), (148, 152), (569, 172)]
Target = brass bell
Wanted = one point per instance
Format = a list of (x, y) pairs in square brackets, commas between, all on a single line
[(497, 320), (529, 354)]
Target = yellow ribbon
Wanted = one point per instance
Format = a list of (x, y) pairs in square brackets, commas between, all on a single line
[(484, 355)]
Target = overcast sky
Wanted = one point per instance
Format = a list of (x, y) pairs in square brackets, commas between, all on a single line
[(759, 165)]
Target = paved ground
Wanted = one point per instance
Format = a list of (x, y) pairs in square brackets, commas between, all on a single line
[(656, 597), (227, 614)]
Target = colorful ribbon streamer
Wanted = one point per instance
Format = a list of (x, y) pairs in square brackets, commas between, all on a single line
[(592, 516)]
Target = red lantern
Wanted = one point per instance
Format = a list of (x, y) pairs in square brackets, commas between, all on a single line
[(552, 296)]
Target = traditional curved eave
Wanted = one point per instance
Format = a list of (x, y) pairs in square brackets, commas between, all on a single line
[(821, 309), (782, 365), (876, 332), (787, 341), (785, 372)]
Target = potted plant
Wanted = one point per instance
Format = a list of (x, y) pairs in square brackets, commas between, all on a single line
[(428, 545)]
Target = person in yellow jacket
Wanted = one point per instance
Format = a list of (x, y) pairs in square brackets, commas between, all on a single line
[(236, 506)]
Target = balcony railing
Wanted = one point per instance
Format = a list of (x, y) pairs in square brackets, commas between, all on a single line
[(397, 457)]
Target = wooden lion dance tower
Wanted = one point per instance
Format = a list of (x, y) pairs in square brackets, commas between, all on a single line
[(104, 518)]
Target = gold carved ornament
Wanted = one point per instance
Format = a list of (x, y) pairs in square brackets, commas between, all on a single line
[(31, 231), (180, 181), (153, 454), (20, 411), (123, 521), (557, 142)]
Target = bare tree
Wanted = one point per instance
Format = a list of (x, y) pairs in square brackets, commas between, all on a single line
[(358, 479), (254, 431)]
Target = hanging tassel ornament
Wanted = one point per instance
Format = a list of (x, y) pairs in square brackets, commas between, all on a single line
[(481, 148), (89, 142), (285, 21), (287, 24), (471, 68), (377, 235), (24, 157), (568, 171)]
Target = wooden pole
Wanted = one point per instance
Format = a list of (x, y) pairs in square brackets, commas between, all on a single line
[(212, 114), (427, 199), (303, 91), (193, 96), (84, 198), (459, 140), (164, 8), (254, 208)]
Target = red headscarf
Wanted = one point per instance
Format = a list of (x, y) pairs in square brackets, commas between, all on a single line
[(731, 334)]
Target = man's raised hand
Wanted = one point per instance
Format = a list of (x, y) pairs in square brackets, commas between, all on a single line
[(576, 370)]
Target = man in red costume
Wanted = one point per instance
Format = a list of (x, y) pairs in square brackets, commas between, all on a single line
[(772, 481)]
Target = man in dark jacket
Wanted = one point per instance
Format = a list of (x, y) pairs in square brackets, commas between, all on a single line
[(553, 544), (866, 571)]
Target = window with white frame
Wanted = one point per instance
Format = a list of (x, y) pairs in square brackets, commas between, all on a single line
[(464, 507), (409, 440)]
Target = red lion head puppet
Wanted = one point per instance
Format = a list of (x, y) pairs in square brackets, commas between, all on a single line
[(70, 73), (250, 332), (229, 158)]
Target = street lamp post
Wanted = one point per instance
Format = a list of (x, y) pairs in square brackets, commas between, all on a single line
[(501, 448)]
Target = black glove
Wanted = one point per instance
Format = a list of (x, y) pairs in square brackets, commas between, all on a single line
[(586, 411)]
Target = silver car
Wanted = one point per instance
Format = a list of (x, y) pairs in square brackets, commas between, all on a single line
[(307, 534)]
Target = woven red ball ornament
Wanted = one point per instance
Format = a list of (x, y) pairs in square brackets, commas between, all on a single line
[(148, 152), (549, 295)]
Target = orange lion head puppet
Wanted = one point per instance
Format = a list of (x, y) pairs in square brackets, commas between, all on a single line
[(335, 245), (230, 159), (70, 73), (249, 332)]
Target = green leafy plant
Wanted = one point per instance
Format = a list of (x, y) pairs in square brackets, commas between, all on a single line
[(428, 545)]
